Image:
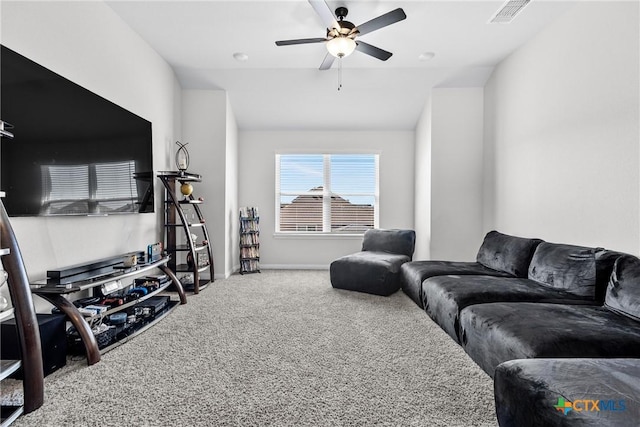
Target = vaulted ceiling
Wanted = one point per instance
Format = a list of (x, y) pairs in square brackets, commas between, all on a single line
[(282, 88)]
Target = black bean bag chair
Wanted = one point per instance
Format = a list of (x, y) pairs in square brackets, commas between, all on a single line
[(376, 268)]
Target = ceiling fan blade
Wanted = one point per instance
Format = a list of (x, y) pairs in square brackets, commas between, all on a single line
[(327, 62), (376, 52), (300, 41), (322, 9), (382, 21)]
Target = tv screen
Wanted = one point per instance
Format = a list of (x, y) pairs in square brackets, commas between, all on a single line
[(73, 152)]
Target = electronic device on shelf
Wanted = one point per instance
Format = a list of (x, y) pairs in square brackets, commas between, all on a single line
[(154, 251), (118, 291), (155, 304), (93, 270), (118, 318)]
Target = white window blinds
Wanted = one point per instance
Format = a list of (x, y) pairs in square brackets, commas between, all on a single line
[(330, 193), (95, 188)]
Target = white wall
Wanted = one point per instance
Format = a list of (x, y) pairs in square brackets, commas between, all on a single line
[(257, 188), (456, 173), (89, 44), (562, 122), (422, 197), (232, 239), (204, 123)]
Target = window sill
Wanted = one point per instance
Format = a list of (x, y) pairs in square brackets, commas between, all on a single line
[(317, 236)]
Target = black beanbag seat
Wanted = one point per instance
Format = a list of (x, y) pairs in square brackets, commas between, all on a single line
[(375, 269)]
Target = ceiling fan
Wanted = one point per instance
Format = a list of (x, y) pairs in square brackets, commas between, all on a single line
[(341, 35)]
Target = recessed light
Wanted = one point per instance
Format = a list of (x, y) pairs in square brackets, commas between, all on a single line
[(241, 56), (426, 56)]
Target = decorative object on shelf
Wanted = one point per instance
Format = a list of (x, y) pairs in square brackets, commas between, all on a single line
[(186, 189), (186, 238), (130, 260), (249, 240), (182, 157)]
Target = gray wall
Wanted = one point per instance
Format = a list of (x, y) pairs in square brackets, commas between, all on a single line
[(257, 188), (562, 132), (448, 164), (210, 129)]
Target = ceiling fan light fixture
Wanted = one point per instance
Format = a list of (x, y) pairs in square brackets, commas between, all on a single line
[(341, 46)]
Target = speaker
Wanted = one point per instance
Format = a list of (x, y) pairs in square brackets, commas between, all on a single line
[(53, 338)]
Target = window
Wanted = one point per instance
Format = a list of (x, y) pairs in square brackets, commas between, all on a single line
[(328, 193)]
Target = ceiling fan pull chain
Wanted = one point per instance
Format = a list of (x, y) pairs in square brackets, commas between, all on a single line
[(339, 73)]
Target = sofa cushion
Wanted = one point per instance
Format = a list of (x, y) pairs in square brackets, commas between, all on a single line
[(415, 272), (605, 260), (496, 332), (568, 267), (445, 296), (391, 241), (623, 293), (535, 392), (506, 253)]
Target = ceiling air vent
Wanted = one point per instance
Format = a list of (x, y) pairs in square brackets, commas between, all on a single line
[(508, 11)]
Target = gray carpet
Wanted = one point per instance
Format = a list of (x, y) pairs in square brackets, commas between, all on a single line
[(280, 348)]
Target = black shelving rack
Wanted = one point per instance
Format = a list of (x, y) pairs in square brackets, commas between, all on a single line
[(188, 255), (25, 318), (249, 240)]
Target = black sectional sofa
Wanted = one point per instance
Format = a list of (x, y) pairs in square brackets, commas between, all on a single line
[(568, 392), (499, 256), (526, 299), (558, 274), (497, 332)]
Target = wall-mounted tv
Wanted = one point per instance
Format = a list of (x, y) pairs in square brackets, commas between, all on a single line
[(73, 152)]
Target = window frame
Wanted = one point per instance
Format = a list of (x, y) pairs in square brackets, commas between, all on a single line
[(326, 195)]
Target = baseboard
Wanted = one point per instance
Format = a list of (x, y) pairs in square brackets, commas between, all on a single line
[(294, 267), (236, 269)]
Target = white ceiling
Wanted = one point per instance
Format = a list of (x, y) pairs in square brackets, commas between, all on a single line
[(282, 88)]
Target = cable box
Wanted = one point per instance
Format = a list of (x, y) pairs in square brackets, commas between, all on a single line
[(155, 304)]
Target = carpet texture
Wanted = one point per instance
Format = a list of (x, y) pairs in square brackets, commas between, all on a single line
[(280, 348)]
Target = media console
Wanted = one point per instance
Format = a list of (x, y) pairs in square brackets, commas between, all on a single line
[(107, 280)]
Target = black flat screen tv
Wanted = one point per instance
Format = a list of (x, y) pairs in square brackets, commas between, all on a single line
[(73, 152)]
